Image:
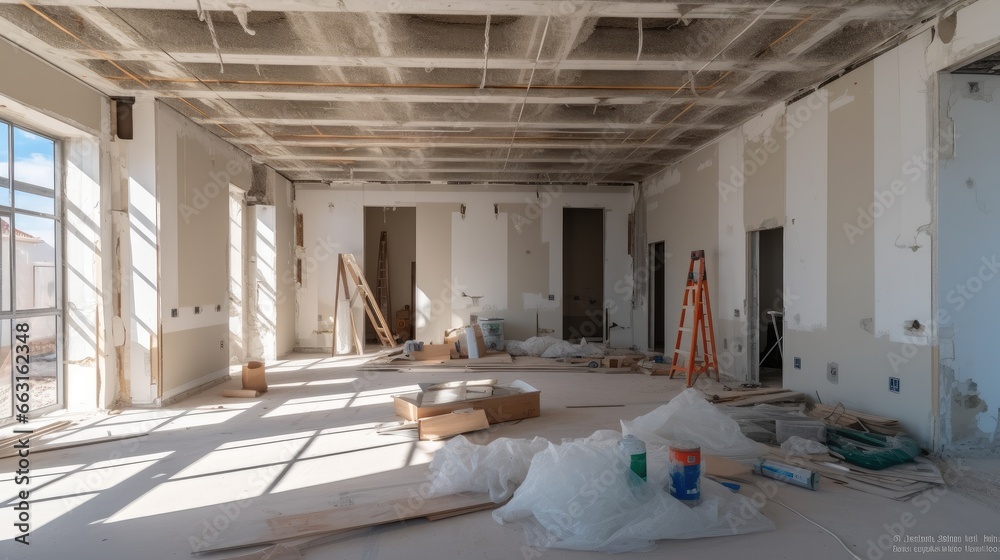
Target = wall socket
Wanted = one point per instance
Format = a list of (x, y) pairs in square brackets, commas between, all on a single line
[(832, 372), (222, 344)]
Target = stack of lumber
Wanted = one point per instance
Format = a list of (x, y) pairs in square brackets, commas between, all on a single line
[(855, 420), (768, 395), (899, 482)]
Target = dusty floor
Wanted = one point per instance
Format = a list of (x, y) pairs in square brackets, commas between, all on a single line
[(311, 437)]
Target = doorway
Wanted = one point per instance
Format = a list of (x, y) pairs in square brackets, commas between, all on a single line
[(583, 274), (395, 283), (657, 296), (766, 307)]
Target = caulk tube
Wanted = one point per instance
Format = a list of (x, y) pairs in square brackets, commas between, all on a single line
[(786, 473)]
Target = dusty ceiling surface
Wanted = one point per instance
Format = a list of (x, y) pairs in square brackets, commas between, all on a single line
[(580, 91)]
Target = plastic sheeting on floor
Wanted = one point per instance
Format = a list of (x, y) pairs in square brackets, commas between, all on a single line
[(581, 495)]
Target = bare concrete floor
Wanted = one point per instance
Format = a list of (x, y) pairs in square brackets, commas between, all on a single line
[(233, 461)]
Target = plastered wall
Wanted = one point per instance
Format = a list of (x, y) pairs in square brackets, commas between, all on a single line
[(856, 260), (194, 171), (511, 257), (969, 270)]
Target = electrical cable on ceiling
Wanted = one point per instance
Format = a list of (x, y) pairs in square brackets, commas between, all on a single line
[(486, 52), (639, 52), (664, 103), (206, 16)]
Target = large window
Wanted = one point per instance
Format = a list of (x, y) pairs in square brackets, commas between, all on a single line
[(30, 300)]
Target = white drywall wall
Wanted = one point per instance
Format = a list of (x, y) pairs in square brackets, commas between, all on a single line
[(194, 171), (730, 299), (805, 227), (901, 210), (284, 207), (478, 263), (334, 223)]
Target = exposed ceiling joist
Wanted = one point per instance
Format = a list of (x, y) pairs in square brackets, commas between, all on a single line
[(390, 90), (539, 8)]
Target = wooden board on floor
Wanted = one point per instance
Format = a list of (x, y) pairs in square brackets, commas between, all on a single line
[(726, 396), (434, 428), (356, 516), (723, 467), (11, 441), (784, 396)]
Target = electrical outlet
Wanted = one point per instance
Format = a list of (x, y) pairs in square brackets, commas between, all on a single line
[(173, 312), (552, 297), (197, 310), (894, 385), (832, 372), (222, 344), (218, 308), (798, 362), (736, 313), (739, 347)]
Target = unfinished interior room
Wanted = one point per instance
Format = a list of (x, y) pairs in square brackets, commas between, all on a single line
[(499, 279)]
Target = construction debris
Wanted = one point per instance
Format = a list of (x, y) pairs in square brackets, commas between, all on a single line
[(841, 416), (454, 423)]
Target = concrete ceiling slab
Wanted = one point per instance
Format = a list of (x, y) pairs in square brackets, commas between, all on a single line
[(486, 90)]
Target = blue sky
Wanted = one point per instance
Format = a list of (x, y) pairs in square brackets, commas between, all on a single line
[(34, 162)]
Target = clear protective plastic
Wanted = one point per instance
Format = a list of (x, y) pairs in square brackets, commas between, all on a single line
[(796, 445), (497, 468), (689, 417), (581, 495)]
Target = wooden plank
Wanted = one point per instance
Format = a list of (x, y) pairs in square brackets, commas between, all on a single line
[(287, 527), (241, 393), (786, 396), (723, 467), (725, 396), (463, 511), (44, 448), (11, 441), (446, 425)]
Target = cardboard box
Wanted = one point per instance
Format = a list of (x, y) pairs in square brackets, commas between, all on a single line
[(433, 352), (446, 425), (253, 377), (519, 400), (453, 336)]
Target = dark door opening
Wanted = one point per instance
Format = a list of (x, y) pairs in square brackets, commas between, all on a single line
[(396, 277), (657, 296), (583, 274), (766, 313)]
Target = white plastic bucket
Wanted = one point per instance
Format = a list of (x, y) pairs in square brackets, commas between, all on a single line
[(492, 333)]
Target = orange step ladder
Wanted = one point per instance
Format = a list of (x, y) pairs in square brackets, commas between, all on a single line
[(698, 303)]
